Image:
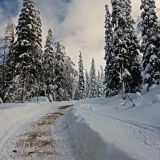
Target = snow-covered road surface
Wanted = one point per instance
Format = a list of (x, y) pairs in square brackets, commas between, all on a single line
[(35, 131)]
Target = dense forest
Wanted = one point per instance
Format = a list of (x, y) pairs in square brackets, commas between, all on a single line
[(27, 69)]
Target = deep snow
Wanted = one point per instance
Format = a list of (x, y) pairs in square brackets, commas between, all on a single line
[(105, 129), (93, 129)]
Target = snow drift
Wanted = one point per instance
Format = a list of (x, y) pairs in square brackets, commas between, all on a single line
[(103, 129)]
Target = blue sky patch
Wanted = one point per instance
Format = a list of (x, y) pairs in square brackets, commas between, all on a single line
[(10, 7)]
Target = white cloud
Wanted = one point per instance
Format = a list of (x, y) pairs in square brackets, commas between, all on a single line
[(83, 28)]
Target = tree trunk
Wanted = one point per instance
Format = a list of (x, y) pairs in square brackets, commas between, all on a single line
[(123, 91), (23, 91), (123, 84)]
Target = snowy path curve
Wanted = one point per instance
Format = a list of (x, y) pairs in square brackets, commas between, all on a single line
[(35, 134)]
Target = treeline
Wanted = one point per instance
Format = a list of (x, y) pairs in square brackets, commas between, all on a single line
[(89, 85), (27, 71)]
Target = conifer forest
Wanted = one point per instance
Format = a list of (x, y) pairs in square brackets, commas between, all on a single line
[(131, 55)]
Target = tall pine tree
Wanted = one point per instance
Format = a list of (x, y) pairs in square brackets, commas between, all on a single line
[(70, 75), (8, 60), (81, 78), (49, 65), (150, 46), (121, 60), (102, 78), (28, 55), (39, 52), (92, 90), (99, 86), (133, 48), (87, 84), (59, 73), (112, 75)]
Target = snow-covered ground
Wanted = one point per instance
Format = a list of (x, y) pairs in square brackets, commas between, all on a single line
[(29, 131), (91, 129), (105, 129)]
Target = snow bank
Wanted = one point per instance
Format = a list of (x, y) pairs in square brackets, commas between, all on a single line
[(138, 95), (9, 111), (91, 143), (101, 130), (156, 98)]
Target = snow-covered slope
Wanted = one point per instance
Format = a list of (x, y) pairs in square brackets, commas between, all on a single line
[(105, 129)]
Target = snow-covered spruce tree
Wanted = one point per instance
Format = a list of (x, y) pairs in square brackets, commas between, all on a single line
[(59, 79), (121, 60), (99, 86), (133, 48), (75, 86), (150, 46), (87, 84), (70, 75), (77, 93), (81, 78), (108, 36), (28, 55), (8, 60), (112, 75), (102, 74), (98, 78), (40, 83), (102, 77), (92, 90), (49, 65)]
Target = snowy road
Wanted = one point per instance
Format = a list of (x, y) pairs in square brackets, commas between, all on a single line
[(35, 131)]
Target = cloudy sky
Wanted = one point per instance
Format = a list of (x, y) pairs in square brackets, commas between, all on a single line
[(78, 24)]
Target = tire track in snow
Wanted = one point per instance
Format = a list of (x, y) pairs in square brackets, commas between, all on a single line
[(8, 136), (38, 140)]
